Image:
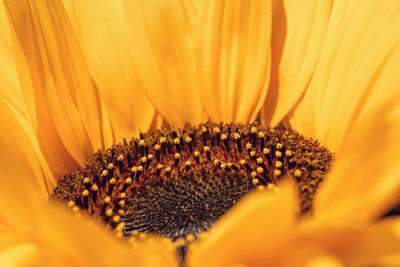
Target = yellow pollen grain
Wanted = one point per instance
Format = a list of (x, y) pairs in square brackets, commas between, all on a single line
[(112, 180), (277, 172), (288, 153), (253, 129), (278, 164), (229, 164), (204, 129), (206, 148), (177, 155), (279, 146), (278, 154), (255, 181), (110, 166), (163, 140), (253, 174), (149, 156), (143, 159), (140, 168), (188, 139), (261, 187), (116, 218), (217, 130), (168, 169), (109, 212), (107, 199), (159, 166), (122, 195), (236, 136), (142, 142), (95, 187), (216, 162), (86, 180), (128, 180), (242, 161), (75, 209), (297, 173), (252, 153), (261, 134), (71, 204), (121, 212), (248, 146), (85, 193), (188, 163), (190, 238), (197, 153), (224, 137), (157, 147), (134, 169), (120, 158), (265, 151), (177, 140), (223, 166), (121, 203), (120, 226), (104, 173), (260, 169)]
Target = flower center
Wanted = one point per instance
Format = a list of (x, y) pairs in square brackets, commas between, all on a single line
[(179, 182)]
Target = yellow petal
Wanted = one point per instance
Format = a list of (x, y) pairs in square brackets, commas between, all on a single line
[(233, 57), (298, 31), (61, 238), (360, 39), (10, 88), (365, 181), (163, 57), (59, 90), (250, 233), (107, 43), (19, 135)]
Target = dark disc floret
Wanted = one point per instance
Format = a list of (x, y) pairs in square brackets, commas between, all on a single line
[(179, 182)]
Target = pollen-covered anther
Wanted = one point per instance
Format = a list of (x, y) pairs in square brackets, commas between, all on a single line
[(208, 154), (104, 173), (110, 166), (297, 173), (288, 153), (277, 173), (279, 146), (187, 165), (116, 218), (255, 181), (278, 154), (85, 193), (265, 151), (71, 204), (278, 164), (109, 212)]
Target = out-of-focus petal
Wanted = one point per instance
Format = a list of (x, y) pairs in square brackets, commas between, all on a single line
[(108, 44), (360, 40), (233, 57), (298, 31), (61, 238), (61, 97), (162, 54), (365, 179), (250, 233)]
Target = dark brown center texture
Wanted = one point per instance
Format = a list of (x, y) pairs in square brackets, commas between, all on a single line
[(181, 181)]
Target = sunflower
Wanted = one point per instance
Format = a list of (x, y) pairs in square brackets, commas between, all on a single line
[(79, 77)]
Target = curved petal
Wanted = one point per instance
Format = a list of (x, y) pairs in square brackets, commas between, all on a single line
[(162, 54), (19, 135), (233, 58), (106, 41), (365, 179), (61, 238), (298, 31), (361, 38), (250, 233), (61, 96)]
